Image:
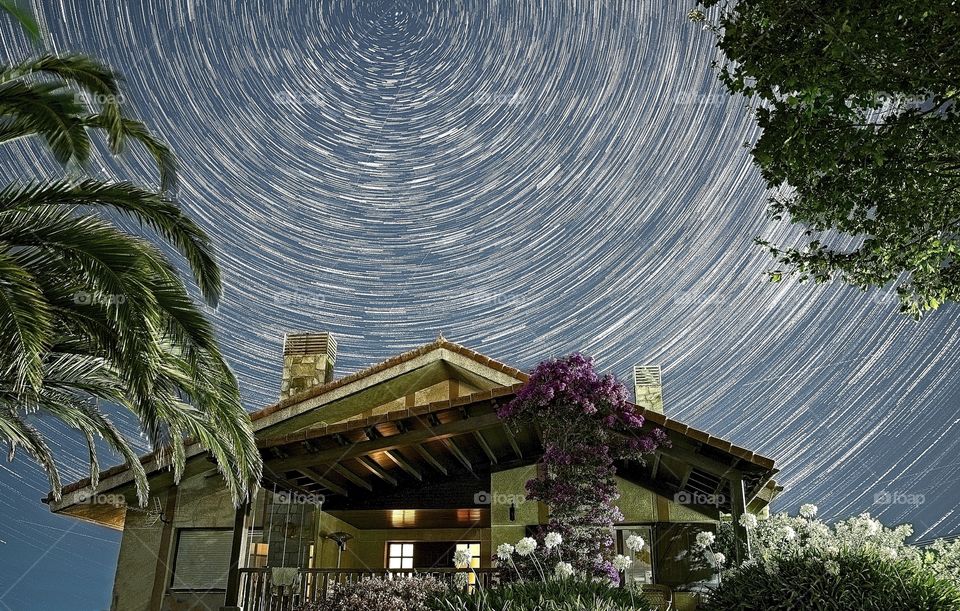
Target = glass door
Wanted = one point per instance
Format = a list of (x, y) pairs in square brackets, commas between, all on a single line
[(641, 571)]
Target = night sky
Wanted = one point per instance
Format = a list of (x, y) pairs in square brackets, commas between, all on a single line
[(530, 178)]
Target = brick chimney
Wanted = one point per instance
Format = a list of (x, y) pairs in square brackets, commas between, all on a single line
[(648, 387), (308, 360)]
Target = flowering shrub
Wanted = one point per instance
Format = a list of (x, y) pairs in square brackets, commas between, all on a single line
[(856, 563), (400, 594), (545, 582), (840, 582), (783, 535), (587, 424), (574, 594)]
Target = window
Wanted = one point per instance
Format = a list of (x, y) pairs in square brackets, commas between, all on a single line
[(474, 549), (641, 571), (257, 550), (400, 555), (202, 560)]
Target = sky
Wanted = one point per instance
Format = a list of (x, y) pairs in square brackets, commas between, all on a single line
[(528, 178)]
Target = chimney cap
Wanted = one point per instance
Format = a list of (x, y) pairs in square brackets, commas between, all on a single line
[(647, 375), (315, 342)]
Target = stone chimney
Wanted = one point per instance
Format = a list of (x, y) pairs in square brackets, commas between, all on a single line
[(308, 360), (648, 387)]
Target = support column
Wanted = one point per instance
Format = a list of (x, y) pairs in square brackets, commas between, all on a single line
[(738, 504), (231, 600)]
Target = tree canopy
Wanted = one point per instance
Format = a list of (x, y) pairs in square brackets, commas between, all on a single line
[(92, 314), (858, 102)]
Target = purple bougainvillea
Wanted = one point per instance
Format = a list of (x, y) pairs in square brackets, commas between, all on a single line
[(586, 424)]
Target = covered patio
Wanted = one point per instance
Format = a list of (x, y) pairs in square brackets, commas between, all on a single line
[(397, 493)]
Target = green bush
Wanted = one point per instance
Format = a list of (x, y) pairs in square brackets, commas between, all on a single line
[(554, 595), (835, 582)]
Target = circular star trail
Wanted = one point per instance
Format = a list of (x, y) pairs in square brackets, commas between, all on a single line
[(530, 178)]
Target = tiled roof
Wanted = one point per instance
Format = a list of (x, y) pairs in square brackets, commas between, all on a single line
[(387, 364), (503, 391), (440, 342)]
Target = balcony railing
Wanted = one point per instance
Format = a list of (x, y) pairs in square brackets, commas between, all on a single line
[(257, 593)]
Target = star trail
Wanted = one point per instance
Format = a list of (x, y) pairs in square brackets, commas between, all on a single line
[(528, 178)]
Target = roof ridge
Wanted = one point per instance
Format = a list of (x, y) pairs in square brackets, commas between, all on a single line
[(440, 342)]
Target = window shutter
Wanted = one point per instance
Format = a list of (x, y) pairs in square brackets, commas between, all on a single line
[(203, 559)]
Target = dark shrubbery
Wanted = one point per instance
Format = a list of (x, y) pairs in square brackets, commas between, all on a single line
[(553, 595), (840, 582)]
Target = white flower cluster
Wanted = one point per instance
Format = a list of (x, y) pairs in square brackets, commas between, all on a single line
[(462, 557), (621, 562), (563, 570), (526, 546), (635, 543)]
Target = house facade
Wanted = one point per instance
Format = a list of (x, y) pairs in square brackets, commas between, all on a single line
[(391, 470)]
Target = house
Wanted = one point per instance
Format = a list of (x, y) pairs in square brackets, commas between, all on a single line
[(393, 468)]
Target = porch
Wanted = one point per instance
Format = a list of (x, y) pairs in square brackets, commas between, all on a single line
[(448, 474), (259, 593)]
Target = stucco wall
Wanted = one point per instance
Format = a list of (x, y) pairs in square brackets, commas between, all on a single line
[(137, 562), (146, 555)]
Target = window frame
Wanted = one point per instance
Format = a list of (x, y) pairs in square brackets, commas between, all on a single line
[(176, 554), (403, 556)]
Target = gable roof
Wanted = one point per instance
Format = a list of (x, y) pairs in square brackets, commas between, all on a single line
[(308, 401), (315, 400), (462, 437)]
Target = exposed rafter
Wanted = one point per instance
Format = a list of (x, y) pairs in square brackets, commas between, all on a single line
[(376, 469), (441, 432), (431, 459), (398, 460)]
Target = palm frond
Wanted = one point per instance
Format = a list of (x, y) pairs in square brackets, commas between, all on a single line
[(88, 75), (23, 16), (25, 324), (147, 207), (47, 110), (15, 431), (135, 130)]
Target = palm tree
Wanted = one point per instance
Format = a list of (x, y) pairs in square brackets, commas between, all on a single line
[(91, 314)]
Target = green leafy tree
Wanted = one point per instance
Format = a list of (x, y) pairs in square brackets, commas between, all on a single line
[(92, 314), (858, 102)]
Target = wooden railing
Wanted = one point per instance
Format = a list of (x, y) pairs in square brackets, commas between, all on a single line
[(258, 594)]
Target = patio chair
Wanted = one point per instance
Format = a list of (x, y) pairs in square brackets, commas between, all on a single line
[(659, 595)]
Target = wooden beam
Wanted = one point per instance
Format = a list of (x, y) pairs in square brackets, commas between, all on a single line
[(232, 595), (513, 441), (458, 454), (363, 448), (486, 447), (403, 464), (427, 456), (377, 470), (352, 477), (332, 487), (738, 507)]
